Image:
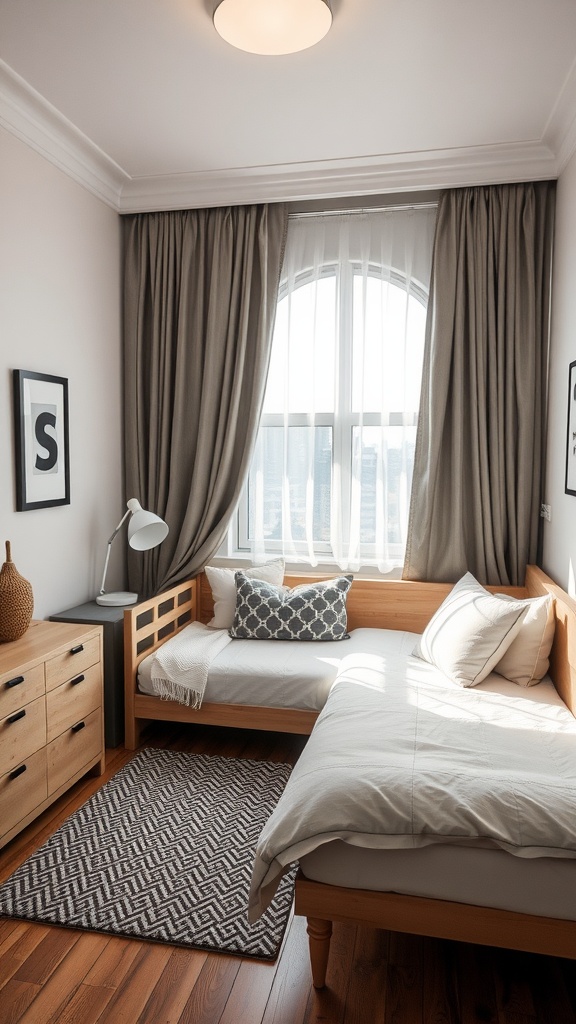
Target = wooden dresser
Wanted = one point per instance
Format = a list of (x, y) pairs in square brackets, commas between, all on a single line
[(51, 718)]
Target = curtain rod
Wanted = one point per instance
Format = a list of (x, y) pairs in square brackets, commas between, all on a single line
[(361, 210)]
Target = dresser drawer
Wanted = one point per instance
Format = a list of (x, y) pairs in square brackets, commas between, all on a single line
[(73, 700), (72, 662), (73, 749), (22, 733), (22, 789), (19, 688)]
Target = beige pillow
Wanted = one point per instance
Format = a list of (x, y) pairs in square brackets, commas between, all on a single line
[(470, 632), (527, 659), (223, 587)]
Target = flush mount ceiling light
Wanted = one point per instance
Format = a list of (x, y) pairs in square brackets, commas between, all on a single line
[(272, 26)]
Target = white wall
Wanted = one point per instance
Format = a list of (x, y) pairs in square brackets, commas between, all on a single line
[(60, 314), (559, 553)]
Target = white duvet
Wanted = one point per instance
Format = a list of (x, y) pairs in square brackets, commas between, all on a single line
[(401, 757)]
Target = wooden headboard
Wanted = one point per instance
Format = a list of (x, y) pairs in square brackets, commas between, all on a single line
[(383, 604), (563, 654)]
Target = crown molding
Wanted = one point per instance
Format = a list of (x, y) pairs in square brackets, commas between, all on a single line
[(28, 116), (377, 175)]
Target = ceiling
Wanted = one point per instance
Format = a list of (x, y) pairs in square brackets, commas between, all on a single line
[(147, 106)]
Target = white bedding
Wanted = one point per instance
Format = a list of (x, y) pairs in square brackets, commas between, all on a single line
[(401, 758), (283, 673)]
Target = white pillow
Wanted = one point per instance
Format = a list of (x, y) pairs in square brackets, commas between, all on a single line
[(470, 632), (526, 660), (223, 586)]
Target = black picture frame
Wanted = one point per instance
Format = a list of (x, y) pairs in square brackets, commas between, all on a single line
[(570, 482), (41, 440)]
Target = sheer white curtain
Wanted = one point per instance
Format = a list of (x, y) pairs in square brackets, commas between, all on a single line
[(331, 473)]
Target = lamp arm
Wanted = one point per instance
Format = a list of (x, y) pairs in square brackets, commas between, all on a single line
[(122, 521), (124, 518)]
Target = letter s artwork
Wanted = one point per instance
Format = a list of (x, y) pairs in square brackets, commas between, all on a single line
[(41, 445), (45, 439)]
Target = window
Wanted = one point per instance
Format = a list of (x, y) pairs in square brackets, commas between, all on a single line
[(331, 472)]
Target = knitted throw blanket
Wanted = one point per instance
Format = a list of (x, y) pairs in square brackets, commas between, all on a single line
[(180, 667)]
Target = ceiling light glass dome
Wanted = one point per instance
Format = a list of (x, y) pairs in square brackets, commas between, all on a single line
[(272, 27)]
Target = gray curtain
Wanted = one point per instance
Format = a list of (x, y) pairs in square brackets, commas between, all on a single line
[(478, 468), (200, 299)]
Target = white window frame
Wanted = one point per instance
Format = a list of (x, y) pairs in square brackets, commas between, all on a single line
[(344, 418)]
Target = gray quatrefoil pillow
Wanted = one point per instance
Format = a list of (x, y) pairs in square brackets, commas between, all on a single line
[(311, 611)]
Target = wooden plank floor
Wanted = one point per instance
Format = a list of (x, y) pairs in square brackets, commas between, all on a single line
[(63, 976)]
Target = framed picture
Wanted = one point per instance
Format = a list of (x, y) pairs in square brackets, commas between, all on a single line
[(41, 440), (570, 487)]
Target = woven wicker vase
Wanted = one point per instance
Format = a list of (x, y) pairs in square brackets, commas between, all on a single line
[(16, 601)]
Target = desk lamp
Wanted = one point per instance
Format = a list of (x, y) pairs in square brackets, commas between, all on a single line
[(145, 530)]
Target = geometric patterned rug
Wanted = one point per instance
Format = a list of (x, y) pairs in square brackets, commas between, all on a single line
[(163, 851)]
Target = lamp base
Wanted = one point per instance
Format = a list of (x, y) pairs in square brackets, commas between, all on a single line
[(117, 599)]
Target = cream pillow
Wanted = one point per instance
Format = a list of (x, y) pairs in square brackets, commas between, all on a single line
[(527, 659), (223, 587), (470, 632)]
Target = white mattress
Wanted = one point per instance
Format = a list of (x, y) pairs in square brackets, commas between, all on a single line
[(285, 673), (545, 886)]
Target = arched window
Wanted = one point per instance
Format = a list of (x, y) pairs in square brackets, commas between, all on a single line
[(331, 473)]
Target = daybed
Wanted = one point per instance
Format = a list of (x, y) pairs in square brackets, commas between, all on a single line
[(371, 603), (398, 606)]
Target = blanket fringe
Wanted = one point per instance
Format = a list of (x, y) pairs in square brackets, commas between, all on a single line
[(167, 689)]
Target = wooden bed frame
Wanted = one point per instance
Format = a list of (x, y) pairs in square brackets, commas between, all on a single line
[(388, 604), (147, 626)]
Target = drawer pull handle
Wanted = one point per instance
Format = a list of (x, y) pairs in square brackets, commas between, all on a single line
[(17, 772), (78, 726), (16, 717), (76, 680), (76, 650), (14, 682)]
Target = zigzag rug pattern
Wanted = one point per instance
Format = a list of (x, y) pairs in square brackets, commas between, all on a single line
[(162, 851)]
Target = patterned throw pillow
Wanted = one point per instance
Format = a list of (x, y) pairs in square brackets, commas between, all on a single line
[(311, 611)]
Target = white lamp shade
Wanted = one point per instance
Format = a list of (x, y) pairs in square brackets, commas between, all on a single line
[(146, 530), (272, 26)]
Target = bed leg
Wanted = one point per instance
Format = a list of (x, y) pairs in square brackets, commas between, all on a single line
[(319, 935), (133, 728)]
